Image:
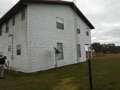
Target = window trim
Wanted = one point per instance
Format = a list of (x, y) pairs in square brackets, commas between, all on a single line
[(18, 50), (1, 54), (61, 52), (23, 14), (13, 21), (7, 27), (78, 51), (0, 30), (87, 33), (78, 29), (59, 23), (9, 48)]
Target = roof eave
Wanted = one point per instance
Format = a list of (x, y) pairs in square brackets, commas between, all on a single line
[(80, 14), (20, 5), (15, 9)]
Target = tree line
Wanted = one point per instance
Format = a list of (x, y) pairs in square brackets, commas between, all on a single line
[(105, 48)]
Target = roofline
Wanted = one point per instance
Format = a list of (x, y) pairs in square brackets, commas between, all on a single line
[(80, 14), (20, 5), (15, 9)]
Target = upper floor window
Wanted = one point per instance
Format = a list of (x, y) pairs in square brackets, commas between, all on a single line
[(7, 27), (60, 48), (87, 33), (78, 29), (60, 23), (23, 14), (13, 21), (0, 30)]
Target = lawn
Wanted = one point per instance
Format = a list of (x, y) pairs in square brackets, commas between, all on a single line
[(105, 72)]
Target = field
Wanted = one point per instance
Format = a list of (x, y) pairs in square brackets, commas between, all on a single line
[(105, 73)]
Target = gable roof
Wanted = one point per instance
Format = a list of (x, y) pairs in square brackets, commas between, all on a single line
[(22, 4)]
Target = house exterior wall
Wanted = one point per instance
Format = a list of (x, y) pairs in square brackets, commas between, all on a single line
[(38, 34), (19, 32), (82, 38), (43, 36)]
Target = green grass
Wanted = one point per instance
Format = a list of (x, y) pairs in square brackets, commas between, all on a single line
[(106, 76)]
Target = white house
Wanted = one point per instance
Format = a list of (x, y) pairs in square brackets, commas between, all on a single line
[(31, 29)]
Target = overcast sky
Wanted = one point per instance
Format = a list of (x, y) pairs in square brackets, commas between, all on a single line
[(103, 14)]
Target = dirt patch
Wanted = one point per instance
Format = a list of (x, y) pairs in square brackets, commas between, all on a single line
[(66, 84)]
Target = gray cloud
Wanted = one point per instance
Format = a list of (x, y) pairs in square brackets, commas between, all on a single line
[(5, 5), (104, 15)]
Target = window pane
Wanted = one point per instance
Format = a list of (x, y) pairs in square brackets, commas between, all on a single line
[(60, 48), (78, 31), (87, 33), (23, 15), (9, 48), (0, 30), (78, 50), (13, 21), (7, 27), (60, 23), (18, 49)]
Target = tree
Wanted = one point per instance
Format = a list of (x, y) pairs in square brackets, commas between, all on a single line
[(97, 47)]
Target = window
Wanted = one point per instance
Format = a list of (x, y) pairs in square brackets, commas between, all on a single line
[(7, 27), (9, 48), (13, 21), (78, 29), (87, 33), (1, 54), (60, 48), (0, 30), (78, 50), (60, 23), (18, 49), (23, 15)]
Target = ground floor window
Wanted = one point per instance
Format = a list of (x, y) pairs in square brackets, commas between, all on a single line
[(1, 54), (78, 50), (18, 49), (60, 48)]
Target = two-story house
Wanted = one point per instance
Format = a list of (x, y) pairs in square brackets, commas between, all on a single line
[(31, 28)]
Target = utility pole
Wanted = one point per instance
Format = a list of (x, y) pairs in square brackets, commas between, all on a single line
[(89, 65)]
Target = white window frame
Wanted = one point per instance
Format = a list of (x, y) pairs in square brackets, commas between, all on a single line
[(18, 49), (78, 29), (23, 15), (0, 30), (13, 21), (87, 33), (60, 55), (78, 50), (59, 23), (7, 27)]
